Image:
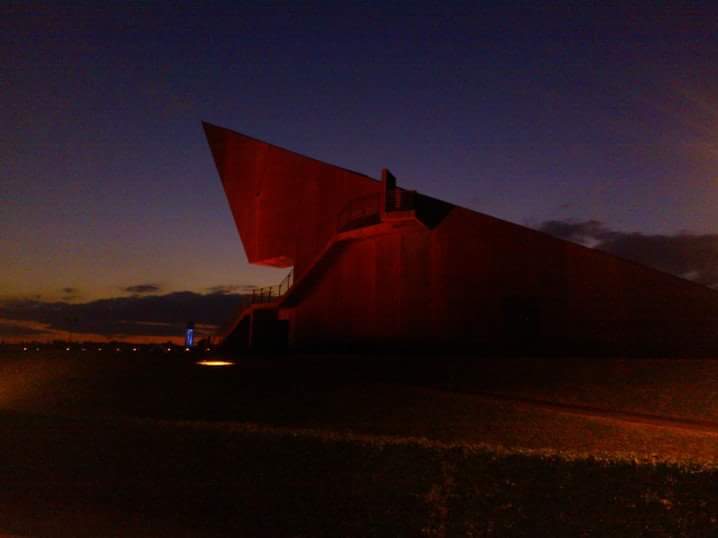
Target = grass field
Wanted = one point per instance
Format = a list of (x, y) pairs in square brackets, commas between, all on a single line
[(150, 446), (681, 388)]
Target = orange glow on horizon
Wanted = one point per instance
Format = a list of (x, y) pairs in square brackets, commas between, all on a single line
[(44, 333)]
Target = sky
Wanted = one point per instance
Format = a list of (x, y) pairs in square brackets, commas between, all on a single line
[(596, 124)]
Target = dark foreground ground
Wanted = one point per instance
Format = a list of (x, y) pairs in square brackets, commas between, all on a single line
[(128, 445)]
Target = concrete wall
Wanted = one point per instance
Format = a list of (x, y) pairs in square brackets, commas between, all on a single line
[(464, 280), (285, 205), (478, 282)]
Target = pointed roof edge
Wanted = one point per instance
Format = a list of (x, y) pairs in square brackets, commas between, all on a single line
[(207, 126)]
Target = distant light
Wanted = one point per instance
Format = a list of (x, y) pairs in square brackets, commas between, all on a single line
[(24, 349), (67, 349), (169, 349), (99, 349), (208, 349), (186, 349), (83, 349), (117, 349), (214, 363), (134, 349), (37, 349)]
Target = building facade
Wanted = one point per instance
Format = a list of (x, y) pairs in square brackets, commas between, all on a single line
[(375, 266)]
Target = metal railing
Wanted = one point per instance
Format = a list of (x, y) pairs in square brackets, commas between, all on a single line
[(362, 211), (366, 210), (267, 294), (400, 200), (357, 213)]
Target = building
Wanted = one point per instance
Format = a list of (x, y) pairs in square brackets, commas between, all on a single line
[(379, 267)]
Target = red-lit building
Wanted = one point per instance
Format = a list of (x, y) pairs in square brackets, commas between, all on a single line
[(376, 266)]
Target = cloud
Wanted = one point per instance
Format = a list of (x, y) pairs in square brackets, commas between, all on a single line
[(687, 255), (68, 294), (142, 289), (137, 315), (232, 288), (12, 328), (15, 330)]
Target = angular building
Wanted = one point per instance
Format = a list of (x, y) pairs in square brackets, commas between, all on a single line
[(375, 266)]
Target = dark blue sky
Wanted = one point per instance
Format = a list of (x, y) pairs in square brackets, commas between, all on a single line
[(529, 114)]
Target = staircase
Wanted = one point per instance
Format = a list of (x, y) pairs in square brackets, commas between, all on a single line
[(364, 217)]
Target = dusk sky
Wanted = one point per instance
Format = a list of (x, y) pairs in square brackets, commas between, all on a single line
[(599, 125)]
